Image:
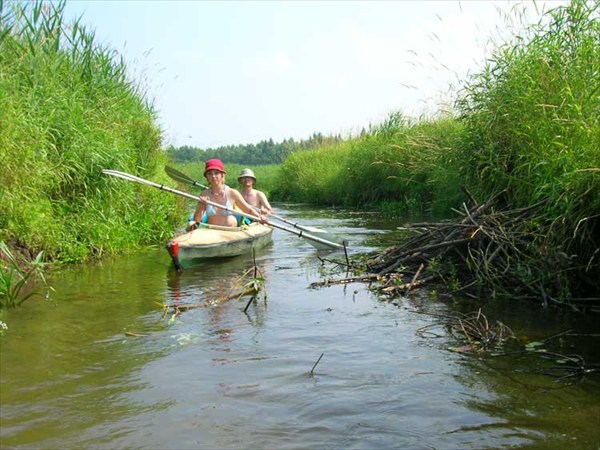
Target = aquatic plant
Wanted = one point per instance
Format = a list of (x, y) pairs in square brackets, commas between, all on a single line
[(15, 280)]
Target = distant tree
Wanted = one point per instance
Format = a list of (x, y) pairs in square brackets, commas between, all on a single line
[(262, 153)]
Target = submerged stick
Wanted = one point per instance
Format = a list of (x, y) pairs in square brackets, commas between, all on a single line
[(135, 334), (249, 302), (312, 371)]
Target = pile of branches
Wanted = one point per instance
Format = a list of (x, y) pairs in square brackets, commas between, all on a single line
[(485, 252)]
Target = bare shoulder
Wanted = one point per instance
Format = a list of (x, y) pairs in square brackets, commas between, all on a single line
[(234, 192)]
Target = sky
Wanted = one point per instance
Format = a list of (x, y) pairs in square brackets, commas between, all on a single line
[(239, 72)]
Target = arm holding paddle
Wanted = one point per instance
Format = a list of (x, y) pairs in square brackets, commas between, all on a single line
[(263, 205), (216, 218), (246, 207)]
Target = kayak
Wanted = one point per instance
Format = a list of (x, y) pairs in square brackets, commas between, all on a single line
[(214, 241)]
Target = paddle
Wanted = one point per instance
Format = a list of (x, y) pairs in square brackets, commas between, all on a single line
[(301, 233), (179, 176)]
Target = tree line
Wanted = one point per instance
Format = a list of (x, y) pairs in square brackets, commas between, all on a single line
[(263, 153)]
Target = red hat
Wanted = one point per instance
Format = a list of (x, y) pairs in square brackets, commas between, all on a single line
[(214, 164)]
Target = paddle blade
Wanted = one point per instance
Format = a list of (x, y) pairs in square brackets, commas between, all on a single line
[(180, 176), (336, 241)]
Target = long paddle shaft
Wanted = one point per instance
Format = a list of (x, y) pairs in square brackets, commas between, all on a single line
[(179, 176), (130, 177)]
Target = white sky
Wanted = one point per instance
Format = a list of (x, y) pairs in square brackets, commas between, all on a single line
[(238, 72)]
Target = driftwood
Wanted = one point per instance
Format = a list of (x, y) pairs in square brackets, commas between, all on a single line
[(442, 252), (332, 281)]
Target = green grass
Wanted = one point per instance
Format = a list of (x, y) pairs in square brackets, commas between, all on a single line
[(402, 163), (532, 122), (69, 111), (312, 176), (527, 126)]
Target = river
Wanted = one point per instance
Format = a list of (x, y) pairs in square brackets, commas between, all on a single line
[(102, 363)]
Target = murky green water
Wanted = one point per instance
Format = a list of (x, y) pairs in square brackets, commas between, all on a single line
[(216, 377)]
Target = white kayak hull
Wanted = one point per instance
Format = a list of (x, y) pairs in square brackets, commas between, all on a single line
[(213, 241)]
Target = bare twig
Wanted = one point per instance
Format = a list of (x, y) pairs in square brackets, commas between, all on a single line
[(315, 365)]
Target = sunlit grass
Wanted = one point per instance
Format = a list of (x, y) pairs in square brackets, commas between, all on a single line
[(69, 111), (533, 126), (409, 165), (527, 126)]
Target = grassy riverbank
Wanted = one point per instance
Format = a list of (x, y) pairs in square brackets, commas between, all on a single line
[(528, 124), (526, 128), (68, 111)]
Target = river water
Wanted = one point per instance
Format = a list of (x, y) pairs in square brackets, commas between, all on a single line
[(101, 363)]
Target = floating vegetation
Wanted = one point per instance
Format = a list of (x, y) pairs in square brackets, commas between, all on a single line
[(491, 341), (251, 283), (474, 331)]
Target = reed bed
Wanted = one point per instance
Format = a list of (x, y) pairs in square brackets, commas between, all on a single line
[(69, 110), (402, 162), (526, 133), (533, 132), (315, 176)]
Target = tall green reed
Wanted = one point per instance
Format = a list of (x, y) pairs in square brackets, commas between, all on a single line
[(314, 176), (528, 125), (532, 120), (408, 166), (70, 111)]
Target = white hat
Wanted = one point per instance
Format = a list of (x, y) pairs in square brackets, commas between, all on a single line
[(247, 173)]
